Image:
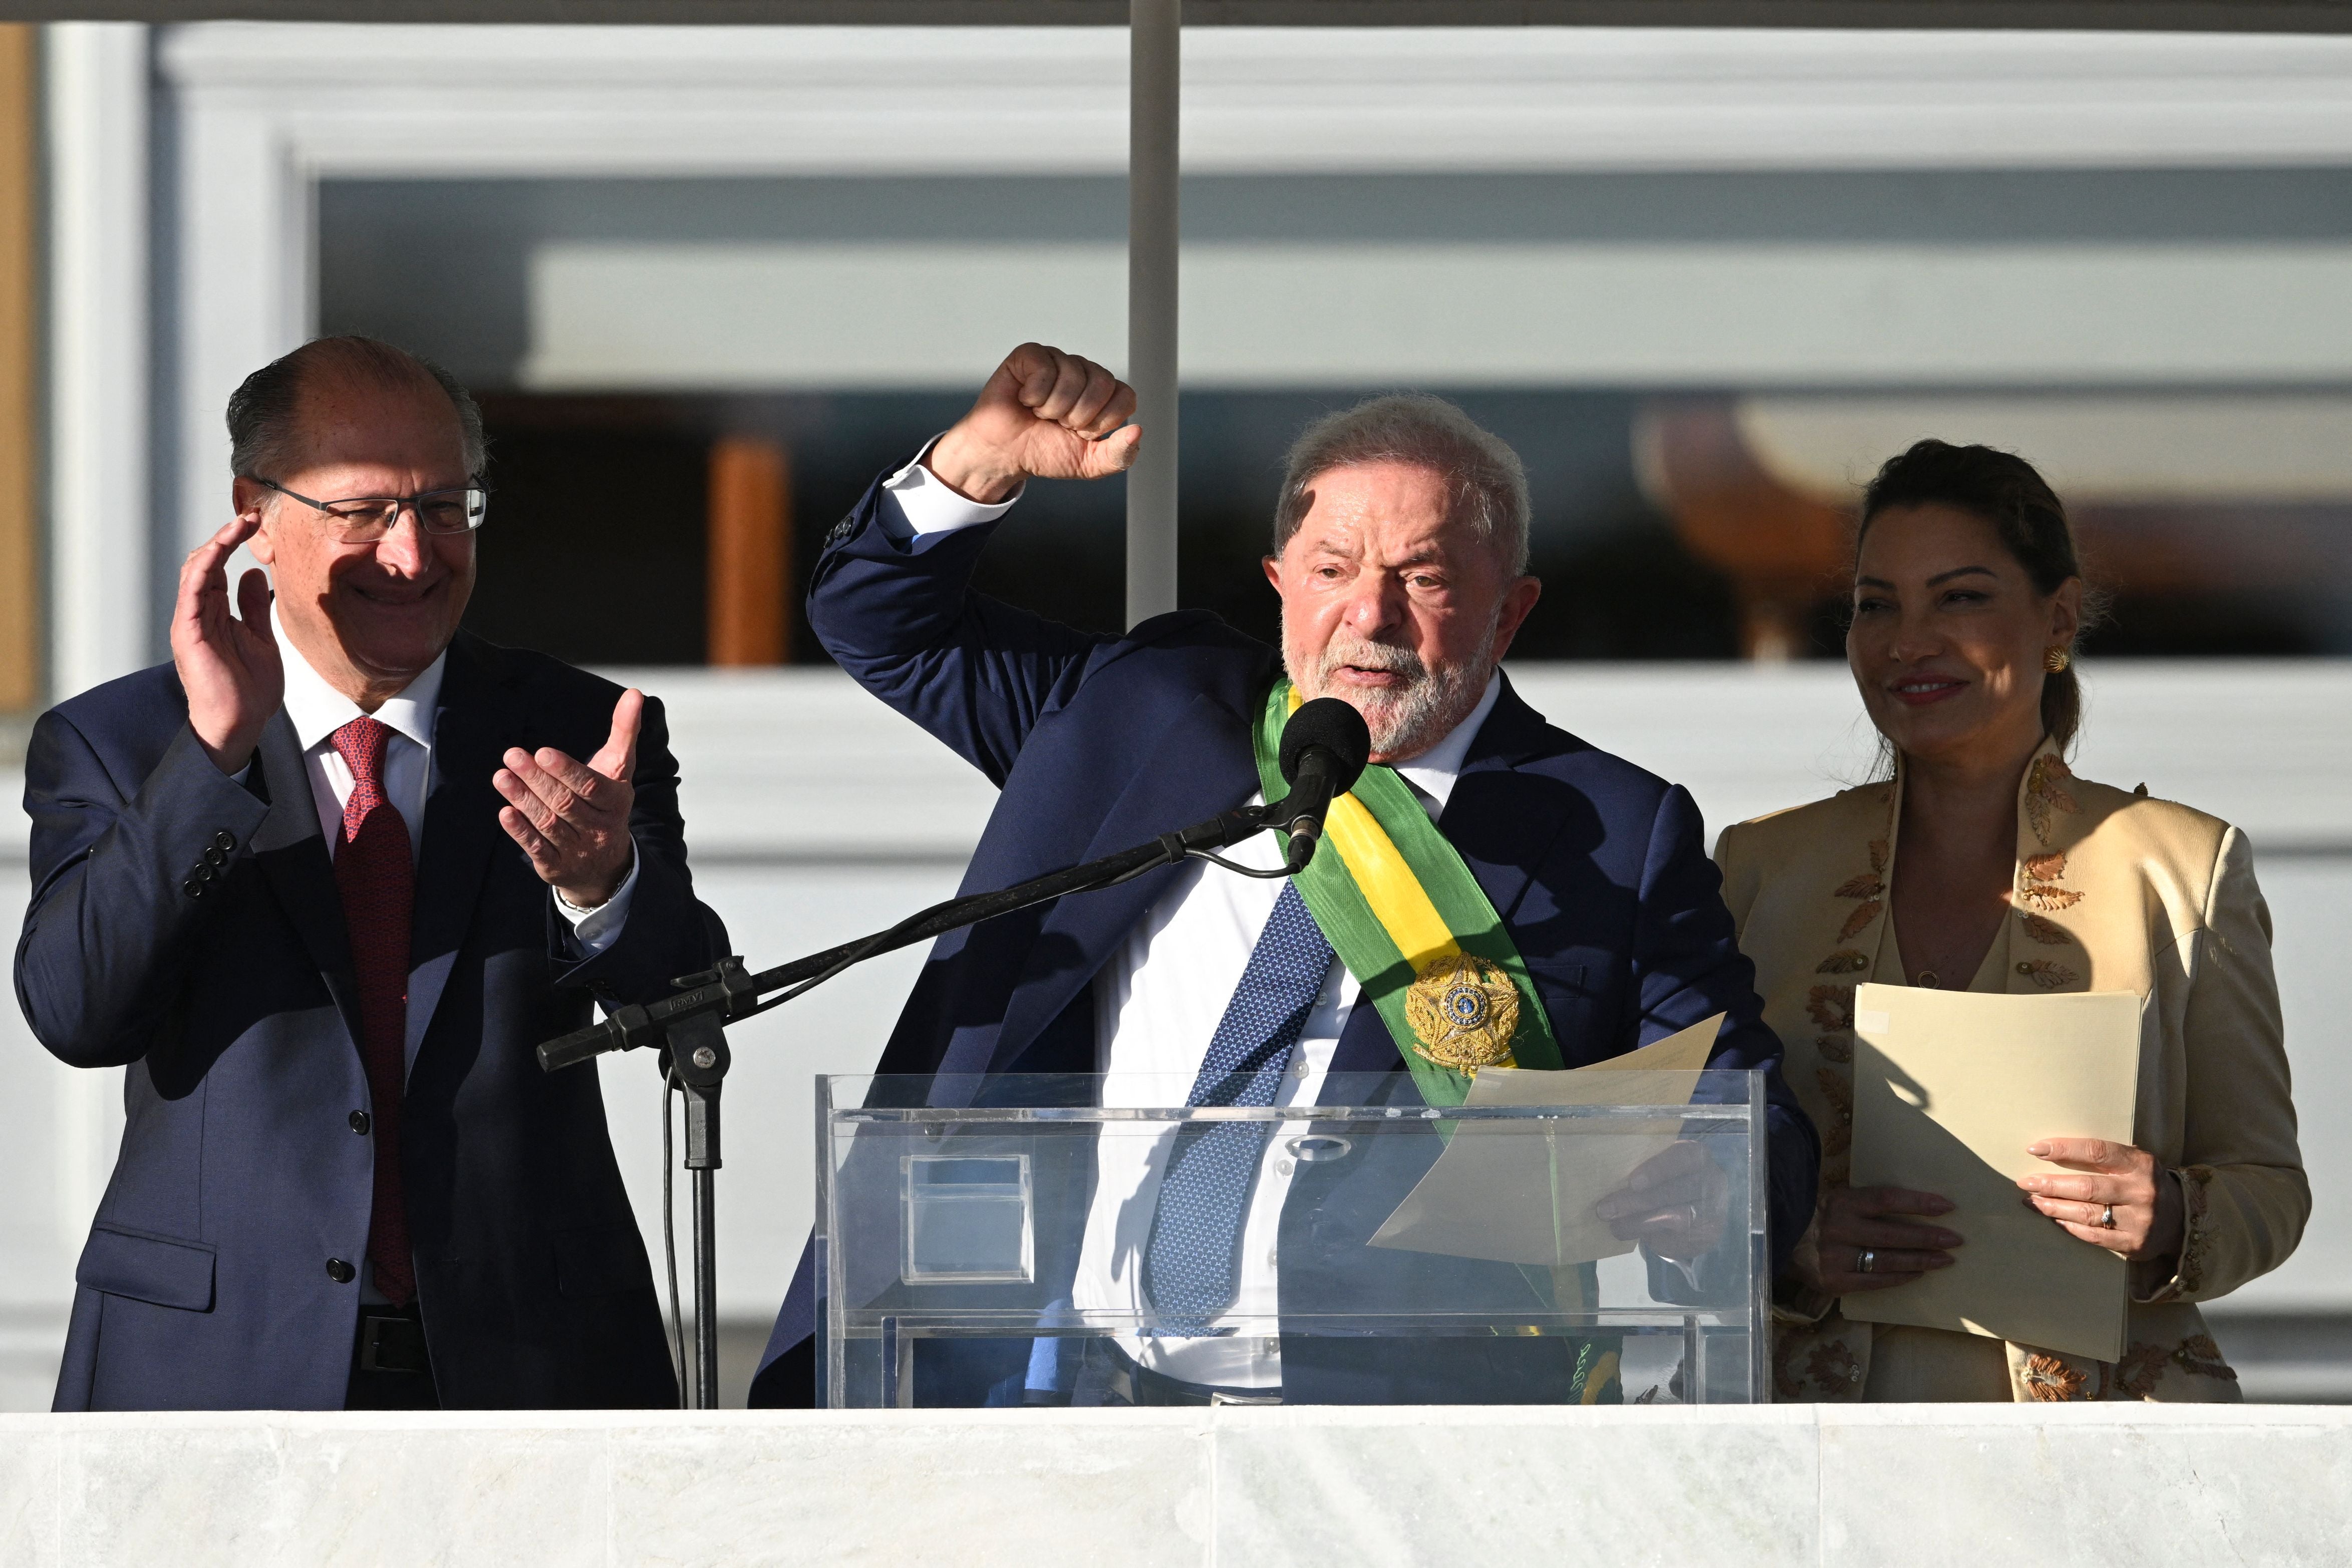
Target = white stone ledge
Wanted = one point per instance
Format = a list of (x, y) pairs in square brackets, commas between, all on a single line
[(1921, 1486)]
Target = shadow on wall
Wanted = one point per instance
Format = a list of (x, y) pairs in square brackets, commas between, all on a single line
[(623, 530), (599, 545)]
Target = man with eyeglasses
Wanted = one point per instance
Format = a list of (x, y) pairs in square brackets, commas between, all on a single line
[(319, 883)]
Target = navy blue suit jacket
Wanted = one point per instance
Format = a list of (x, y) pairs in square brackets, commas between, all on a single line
[(1097, 743), (227, 992)]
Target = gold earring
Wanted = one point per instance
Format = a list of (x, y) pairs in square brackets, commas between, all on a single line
[(2057, 659)]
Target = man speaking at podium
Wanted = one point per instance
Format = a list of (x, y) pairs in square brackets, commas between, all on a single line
[(1400, 555), (277, 880)]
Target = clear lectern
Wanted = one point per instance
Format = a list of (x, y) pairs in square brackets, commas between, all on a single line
[(992, 1241)]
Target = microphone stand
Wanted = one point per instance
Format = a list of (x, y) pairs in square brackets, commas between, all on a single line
[(691, 1026)]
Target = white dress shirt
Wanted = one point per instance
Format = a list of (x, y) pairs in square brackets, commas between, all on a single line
[(317, 710), (1158, 1002)]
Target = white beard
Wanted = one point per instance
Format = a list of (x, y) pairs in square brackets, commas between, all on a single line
[(1407, 719)]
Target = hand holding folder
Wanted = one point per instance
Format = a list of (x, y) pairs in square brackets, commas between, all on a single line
[(1951, 1090)]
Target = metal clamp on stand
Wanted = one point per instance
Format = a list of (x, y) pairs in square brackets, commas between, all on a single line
[(698, 1062)]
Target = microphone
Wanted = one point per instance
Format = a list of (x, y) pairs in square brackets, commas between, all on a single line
[(1324, 748)]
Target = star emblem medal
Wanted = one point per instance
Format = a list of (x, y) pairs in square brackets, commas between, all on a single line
[(1464, 1012)]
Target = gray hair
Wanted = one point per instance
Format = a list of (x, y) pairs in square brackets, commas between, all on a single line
[(1486, 483), (265, 412)]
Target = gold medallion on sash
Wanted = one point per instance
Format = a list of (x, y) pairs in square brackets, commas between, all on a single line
[(1464, 1012)]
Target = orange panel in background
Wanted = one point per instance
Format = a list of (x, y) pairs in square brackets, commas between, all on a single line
[(20, 583), (1784, 550), (751, 551)]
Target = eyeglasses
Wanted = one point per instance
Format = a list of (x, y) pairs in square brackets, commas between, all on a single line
[(366, 518)]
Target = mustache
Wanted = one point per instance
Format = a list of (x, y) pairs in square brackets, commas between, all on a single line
[(1373, 657)]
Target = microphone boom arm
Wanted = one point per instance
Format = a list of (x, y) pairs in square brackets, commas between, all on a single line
[(733, 994)]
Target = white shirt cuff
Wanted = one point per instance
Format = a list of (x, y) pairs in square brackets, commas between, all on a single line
[(600, 927), (917, 502)]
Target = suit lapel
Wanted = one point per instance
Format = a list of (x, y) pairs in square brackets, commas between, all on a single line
[(475, 726), (1502, 829), (301, 873), (1201, 766)]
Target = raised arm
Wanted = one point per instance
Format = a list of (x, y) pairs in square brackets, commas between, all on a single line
[(121, 865), (895, 607)]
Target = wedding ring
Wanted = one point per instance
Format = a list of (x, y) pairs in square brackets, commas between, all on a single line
[(1865, 1261), (2107, 1217)]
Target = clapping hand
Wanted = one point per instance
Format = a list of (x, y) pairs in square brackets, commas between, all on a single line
[(1675, 1203), (228, 666), (1045, 414), (572, 818)]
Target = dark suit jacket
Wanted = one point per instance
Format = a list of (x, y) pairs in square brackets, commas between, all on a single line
[(227, 992), (1097, 743)]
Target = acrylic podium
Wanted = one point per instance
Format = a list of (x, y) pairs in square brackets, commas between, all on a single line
[(987, 1241)]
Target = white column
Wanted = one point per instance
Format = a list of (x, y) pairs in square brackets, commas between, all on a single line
[(101, 511), (100, 506), (1155, 73), (242, 255)]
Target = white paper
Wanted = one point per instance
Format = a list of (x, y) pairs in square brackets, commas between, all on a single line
[(1523, 1192)]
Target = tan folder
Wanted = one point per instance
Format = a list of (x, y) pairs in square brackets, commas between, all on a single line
[(1949, 1087)]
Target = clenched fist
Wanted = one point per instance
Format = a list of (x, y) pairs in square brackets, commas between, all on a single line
[(1045, 414)]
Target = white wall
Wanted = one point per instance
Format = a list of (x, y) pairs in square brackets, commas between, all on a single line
[(830, 317)]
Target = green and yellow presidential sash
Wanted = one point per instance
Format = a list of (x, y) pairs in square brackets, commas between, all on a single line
[(1411, 924)]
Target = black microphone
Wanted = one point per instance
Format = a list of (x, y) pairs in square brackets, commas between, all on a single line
[(1324, 748)]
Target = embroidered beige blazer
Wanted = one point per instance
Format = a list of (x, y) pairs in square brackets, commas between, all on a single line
[(2114, 891)]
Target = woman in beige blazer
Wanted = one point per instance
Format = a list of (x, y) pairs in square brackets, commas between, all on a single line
[(1983, 862)]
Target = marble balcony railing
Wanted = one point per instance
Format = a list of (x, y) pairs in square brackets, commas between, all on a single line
[(1757, 1488)]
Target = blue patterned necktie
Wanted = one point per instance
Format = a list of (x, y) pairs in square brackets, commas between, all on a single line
[(1191, 1264)]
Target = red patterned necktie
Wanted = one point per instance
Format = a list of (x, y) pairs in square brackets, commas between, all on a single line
[(378, 882)]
